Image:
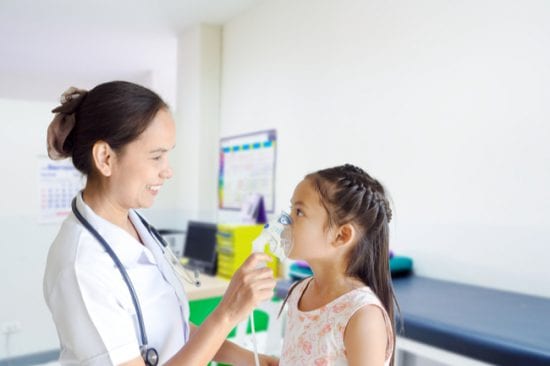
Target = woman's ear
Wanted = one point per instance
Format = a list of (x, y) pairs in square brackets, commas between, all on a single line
[(103, 156), (345, 235)]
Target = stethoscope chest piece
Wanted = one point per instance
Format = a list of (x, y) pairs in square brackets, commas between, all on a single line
[(150, 356)]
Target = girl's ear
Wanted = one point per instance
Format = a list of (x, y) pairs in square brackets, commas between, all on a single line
[(345, 235), (103, 157)]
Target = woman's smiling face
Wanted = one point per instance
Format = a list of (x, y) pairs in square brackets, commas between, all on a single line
[(142, 166)]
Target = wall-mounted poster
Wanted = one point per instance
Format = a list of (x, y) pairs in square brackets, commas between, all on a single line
[(247, 166)]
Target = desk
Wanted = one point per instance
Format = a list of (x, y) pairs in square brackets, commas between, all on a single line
[(210, 287)]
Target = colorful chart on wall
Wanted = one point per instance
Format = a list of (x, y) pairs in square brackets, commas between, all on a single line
[(247, 166)]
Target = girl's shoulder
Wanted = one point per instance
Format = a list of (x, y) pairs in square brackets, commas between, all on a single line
[(362, 295), (348, 304)]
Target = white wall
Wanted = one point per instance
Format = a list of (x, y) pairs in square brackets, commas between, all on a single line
[(445, 102), (197, 115), (148, 59), (24, 243)]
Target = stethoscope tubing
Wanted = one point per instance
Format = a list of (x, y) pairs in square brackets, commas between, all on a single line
[(121, 269)]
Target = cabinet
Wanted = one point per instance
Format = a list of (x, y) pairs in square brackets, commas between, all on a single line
[(234, 245)]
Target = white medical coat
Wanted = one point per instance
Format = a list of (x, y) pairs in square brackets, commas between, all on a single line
[(90, 303)]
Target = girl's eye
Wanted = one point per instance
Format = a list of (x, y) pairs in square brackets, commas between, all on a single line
[(157, 157), (299, 212)]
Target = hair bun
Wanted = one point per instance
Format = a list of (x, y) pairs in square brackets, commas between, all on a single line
[(70, 100), (58, 130), (63, 122)]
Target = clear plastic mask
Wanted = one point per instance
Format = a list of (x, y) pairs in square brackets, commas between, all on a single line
[(277, 234)]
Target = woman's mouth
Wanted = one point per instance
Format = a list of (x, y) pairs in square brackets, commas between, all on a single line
[(153, 189)]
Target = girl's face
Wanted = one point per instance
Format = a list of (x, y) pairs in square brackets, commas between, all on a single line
[(142, 167), (310, 235)]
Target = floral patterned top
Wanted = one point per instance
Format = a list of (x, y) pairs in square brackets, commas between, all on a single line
[(316, 337)]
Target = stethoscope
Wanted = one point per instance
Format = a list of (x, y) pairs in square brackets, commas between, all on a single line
[(150, 355)]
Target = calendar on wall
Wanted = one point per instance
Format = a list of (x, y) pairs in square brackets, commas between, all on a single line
[(59, 182), (247, 166)]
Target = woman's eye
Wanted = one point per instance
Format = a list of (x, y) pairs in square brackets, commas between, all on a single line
[(299, 212), (157, 157)]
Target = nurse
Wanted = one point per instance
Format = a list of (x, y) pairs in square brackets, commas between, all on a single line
[(119, 136)]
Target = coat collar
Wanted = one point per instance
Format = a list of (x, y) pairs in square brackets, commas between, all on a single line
[(128, 250)]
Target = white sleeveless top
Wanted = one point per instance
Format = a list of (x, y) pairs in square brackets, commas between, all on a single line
[(316, 337)]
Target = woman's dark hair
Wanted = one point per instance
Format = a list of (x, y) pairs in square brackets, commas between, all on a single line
[(116, 112)]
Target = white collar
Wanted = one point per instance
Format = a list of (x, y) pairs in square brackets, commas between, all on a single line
[(125, 246), (129, 251)]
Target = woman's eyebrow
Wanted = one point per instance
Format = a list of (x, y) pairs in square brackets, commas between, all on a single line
[(161, 150)]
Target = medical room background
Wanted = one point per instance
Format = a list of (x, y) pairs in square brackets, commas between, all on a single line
[(447, 102)]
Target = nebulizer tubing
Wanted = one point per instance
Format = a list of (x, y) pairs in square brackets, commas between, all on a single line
[(277, 236)]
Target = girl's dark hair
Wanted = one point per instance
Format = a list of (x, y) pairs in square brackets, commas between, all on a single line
[(116, 112), (350, 195)]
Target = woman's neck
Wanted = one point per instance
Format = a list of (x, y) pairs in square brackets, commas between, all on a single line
[(104, 205)]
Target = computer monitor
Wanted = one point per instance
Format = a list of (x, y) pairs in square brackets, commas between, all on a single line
[(200, 246)]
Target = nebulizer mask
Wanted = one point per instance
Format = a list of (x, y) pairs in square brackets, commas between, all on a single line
[(277, 236)]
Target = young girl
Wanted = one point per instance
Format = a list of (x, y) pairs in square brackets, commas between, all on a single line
[(343, 314)]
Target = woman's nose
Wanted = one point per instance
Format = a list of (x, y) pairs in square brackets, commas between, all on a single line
[(167, 173)]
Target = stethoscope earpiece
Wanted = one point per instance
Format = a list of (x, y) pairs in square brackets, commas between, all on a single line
[(171, 258), (197, 281)]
